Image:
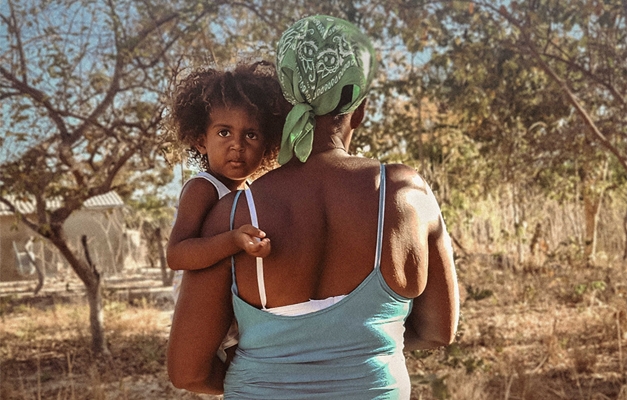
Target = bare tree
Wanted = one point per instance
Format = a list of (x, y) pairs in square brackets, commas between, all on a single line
[(82, 87), (153, 218), (539, 85)]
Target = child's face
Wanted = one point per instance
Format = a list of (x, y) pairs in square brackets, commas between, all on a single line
[(234, 145)]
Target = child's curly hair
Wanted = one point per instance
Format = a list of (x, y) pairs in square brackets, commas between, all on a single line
[(252, 86)]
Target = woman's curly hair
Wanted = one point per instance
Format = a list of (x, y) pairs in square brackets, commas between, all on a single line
[(252, 86)]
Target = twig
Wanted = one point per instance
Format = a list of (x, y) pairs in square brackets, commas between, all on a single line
[(555, 392), (458, 244), (87, 256), (19, 375), (620, 347), (578, 382), (38, 374), (70, 375), (537, 368), (508, 386)]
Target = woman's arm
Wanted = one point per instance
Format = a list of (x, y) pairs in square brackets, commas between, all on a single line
[(187, 250), (435, 314), (427, 256), (202, 318)]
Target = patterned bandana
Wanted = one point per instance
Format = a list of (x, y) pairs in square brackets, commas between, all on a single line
[(316, 58)]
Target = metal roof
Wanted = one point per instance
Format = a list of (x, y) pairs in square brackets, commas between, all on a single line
[(107, 200), (103, 201)]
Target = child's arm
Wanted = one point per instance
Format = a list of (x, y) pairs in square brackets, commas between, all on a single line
[(188, 251)]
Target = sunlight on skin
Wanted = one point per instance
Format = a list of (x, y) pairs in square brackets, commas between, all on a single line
[(424, 202)]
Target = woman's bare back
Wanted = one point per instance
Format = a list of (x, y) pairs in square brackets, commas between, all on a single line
[(321, 218)]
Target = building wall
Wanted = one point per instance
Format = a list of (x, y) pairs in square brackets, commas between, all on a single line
[(10, 232), (106, 241)]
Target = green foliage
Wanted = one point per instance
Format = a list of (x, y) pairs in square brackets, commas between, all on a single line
[(582, 288), (115, 307), (483, 81), (456, 357), (569, 252), (478, 294), (438, 385)]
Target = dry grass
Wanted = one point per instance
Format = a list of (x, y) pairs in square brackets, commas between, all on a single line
[(557, 333), (528, 333), (45, 353)]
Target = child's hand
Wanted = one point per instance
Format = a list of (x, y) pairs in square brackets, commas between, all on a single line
[(252, 240)]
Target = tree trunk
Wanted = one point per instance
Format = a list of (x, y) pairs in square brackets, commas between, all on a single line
[(593, 177), (40, 274), (28, 249), (625, 229), (96, 312), (91, 279), (519, 224), (166, 274), (96, 318), (592, 207)]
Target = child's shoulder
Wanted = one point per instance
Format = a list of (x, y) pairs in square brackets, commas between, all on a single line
[(202, 178), (203, 192)]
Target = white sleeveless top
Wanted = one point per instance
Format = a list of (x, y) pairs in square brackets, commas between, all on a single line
[(220, 187), (222, 191)]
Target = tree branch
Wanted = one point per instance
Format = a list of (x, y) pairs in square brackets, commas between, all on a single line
[(261, 16), (570, 96), (18, 38), (39, 97), (615, 93)]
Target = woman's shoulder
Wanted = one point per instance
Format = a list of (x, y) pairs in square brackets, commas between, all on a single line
[(411, 189), (402, 174)]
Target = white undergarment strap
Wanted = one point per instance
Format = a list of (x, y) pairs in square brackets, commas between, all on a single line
[(253, 218)]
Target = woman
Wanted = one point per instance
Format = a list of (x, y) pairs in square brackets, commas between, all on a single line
[(361, 264)]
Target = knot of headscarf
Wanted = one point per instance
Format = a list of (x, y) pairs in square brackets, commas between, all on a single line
[(297, 133), (316, 58)]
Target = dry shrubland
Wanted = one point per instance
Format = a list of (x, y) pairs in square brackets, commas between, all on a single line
[(548, 332), (533, 333)]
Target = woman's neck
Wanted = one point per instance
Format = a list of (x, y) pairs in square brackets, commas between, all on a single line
[(329, 135), (328, 144)]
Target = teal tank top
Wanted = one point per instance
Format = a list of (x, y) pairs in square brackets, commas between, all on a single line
[(350, 350)]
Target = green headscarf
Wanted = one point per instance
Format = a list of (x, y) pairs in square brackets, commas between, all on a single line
[(316, 58)]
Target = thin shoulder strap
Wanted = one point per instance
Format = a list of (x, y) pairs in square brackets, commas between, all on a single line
[(259, 260), (231, 219), (255, 223), (253, 218), (377, 254)]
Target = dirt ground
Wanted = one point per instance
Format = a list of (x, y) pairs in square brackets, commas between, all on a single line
[(547, 333), (45, 341)]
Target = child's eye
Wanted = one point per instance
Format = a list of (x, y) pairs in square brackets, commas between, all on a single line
[(252, 135), (224, 133)]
